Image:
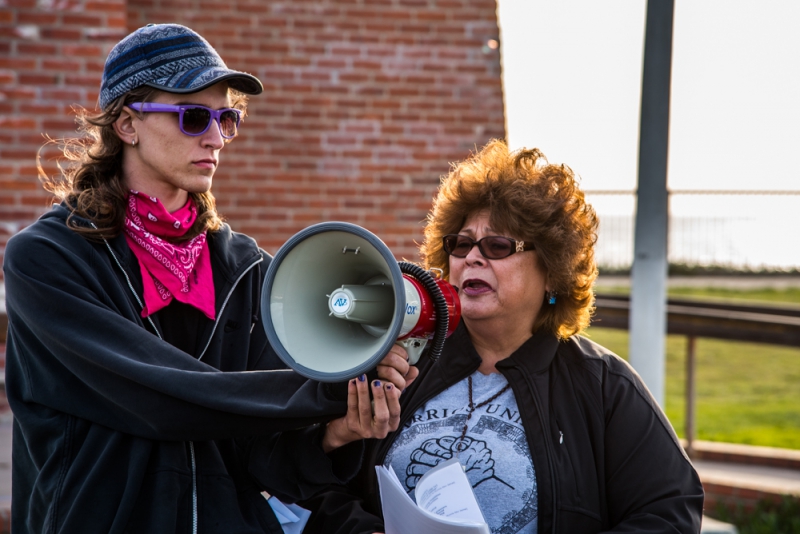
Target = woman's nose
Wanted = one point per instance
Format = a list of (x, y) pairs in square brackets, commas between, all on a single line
[(213, 136), (474, 255)]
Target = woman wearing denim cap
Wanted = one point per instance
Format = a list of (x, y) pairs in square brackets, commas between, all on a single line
[(556, 433), (145, 395)]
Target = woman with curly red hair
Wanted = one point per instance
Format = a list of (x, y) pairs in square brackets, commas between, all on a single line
[(555, 433)]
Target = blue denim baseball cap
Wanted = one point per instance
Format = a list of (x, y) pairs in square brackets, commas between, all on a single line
[(169, 57)]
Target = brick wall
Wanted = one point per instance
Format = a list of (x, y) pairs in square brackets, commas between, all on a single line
[(50, 59), (366, 103)]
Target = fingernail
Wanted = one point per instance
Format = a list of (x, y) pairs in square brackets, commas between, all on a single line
[(362, 378), (377, 383), (353, 381), (388, 386)]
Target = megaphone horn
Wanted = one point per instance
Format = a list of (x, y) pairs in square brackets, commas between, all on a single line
[(335, 300)]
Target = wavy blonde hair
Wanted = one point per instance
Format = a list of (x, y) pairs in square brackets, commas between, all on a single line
[(532, 200), (91, 180)]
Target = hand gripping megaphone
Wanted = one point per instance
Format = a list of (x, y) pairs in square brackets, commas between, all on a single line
[(335, 300)]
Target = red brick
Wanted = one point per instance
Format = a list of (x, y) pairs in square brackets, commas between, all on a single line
[(82, 20), (27, 78), (82, 80), (105, 7), (345, 51), (19, 123), (436, 16), (17, 63), (71, 96), (62, 65), (63, 34), (331, 63), (354, 77), (55, 125), (315, 76), (116, 23), (38, 17)]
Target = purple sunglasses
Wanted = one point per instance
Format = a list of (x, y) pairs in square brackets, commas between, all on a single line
[(194, 119)]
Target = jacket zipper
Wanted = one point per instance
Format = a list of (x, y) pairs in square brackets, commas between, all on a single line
[(200, 357), (194, 488), (213, 330), (225, 303), (547, 446), (130, 285)]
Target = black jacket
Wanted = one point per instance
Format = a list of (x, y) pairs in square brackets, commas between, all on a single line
[(606, 457), (116, 430)]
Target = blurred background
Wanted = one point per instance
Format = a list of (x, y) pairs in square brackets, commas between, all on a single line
[(367, 103), (572, 78), (572, 74)]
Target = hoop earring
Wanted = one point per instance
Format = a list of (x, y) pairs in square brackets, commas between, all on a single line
[(551, 297)]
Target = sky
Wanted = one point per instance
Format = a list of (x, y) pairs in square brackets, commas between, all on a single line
[(572, 82)]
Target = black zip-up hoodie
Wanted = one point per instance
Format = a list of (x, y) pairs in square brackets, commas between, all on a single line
[(116, 430), (605, 455)]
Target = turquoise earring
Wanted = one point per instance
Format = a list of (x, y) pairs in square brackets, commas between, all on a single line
[(551, 297)]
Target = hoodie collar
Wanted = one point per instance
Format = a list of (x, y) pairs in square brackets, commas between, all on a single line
[(231, 252)]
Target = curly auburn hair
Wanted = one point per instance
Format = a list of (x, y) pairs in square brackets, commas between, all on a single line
[(91, 183), (532, 200)]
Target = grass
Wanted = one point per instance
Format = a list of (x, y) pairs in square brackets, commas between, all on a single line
[(747, 393), (768, 517)]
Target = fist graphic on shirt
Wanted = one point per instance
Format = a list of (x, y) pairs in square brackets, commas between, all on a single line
[(473, 454)]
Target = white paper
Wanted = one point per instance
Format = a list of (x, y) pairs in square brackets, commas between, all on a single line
[(445, 491), (401, 515)]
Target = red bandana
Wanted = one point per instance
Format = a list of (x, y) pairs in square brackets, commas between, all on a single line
[(182, 271)]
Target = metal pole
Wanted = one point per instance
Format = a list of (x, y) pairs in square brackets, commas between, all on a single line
[(690, 394), (649, 270)]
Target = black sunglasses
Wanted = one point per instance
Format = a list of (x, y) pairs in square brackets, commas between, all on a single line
[(493, 247)]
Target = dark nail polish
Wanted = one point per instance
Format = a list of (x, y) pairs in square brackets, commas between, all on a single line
[(388, 386), (362, 378), (377, 383)]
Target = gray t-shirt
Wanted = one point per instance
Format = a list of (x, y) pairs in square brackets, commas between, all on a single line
[(494, 451)]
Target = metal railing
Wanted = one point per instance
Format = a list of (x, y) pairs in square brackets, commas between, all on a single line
[(777, 325), (736, 229)]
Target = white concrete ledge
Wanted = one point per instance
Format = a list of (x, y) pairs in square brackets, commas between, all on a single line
[(712, 526)]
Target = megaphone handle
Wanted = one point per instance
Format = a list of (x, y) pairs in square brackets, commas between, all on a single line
[(414, 347), (439, 305)]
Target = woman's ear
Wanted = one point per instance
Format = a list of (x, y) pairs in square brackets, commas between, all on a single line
[(126, 127)]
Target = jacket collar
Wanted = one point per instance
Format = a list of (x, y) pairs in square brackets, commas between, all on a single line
[(535, 355), (459, 354), (231, 252), (459, 357)]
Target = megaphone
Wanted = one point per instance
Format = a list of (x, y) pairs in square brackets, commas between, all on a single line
[(335, 300)]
